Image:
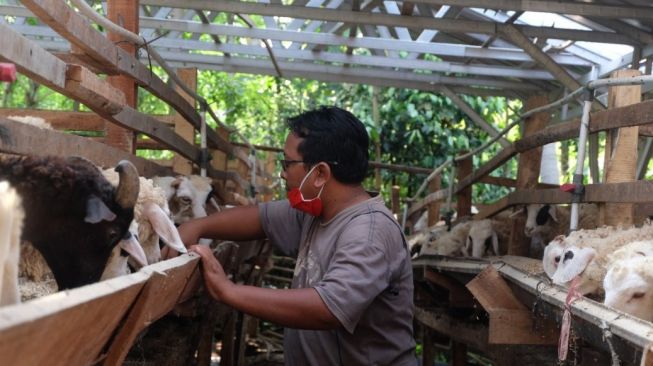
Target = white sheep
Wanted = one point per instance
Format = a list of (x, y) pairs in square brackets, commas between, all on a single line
[(450, 243), (544, 222), (486, 236), (11, 223), (187, 195), (151, 222), (589, 253), (629, 286)]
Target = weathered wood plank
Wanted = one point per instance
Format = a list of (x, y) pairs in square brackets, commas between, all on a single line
[(472, 334), (169, 278), (487, 168), (183, 129), (76, 29), (19, 138), (67, 328), (78, 121), (31, 59), (85, 84)]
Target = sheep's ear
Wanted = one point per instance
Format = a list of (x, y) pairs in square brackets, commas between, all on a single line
[(521, 211), (553, 213), (97, 211), (164, 227), (134, 248), (572, 265), (466, 249), (495, 243)]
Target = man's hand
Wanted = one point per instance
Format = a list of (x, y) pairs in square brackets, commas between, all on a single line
[(216, 280)]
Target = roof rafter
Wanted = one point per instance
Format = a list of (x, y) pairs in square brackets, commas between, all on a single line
[(577, 8), (417, 22)]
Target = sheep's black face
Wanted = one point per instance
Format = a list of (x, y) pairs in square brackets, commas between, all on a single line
[(542, 215), (55, 196)]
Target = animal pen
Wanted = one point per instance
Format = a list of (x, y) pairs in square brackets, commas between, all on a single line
[(502, 309)]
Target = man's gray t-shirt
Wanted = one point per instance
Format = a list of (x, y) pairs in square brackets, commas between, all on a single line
[(360, 266)]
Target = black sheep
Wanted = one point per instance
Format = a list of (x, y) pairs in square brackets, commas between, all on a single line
[(73, 215)]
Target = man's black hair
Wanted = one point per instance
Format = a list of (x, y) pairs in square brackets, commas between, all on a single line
[(335, 136)]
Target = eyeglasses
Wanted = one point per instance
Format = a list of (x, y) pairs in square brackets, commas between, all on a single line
[(285, 164)]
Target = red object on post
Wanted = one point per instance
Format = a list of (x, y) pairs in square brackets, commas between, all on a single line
[(568, 187), (7, 72)]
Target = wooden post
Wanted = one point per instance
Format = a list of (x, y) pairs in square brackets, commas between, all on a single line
[(428, 351), (218, 157), (620, 163), (125, 14), (528, 172), (184, 128), (434, 207), (464, 197), (396, 209), (458, 354)]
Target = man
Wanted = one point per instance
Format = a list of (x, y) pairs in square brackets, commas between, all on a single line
[(351, 299)]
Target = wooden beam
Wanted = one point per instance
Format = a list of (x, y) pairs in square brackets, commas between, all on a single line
[(76, 29), (30, 59), (412, 22), (19, 138), (88, 87)]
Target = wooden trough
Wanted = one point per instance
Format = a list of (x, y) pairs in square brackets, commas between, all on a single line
[(524, 309)]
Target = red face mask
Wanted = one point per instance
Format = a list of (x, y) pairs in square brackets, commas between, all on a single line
[(313, 206)]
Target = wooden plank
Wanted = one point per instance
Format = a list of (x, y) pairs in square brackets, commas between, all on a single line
[(85, 84), (67, 328), (640, 114), (620, 163), (169, 278), (487, 168), (31, 59), (78, 31), (19, 138), (183, 129)]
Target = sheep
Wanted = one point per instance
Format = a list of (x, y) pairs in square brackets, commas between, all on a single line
[(73, 215), (486, 236), (450, 243), (545, 222), (11, 222), (186, 195), (152, 218), (588, 254), (629, 286), (32, 121)]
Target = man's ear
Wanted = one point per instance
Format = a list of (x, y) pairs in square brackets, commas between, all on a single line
[(323, 175)]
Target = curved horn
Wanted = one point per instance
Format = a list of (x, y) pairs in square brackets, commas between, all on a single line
[(128, 186)]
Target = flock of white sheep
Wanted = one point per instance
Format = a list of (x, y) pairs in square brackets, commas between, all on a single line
[(613, 264)]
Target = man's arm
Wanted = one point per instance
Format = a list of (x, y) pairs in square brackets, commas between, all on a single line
[(295, 308), (238, 223)]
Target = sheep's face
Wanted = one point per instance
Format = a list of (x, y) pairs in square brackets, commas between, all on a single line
[(538, 219), (572, 263), (552, 255), (482, 239), (628, 290)]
